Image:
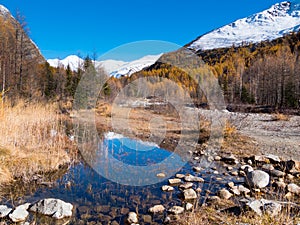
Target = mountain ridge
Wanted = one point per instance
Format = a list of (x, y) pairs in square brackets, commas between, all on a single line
[(115, 68), (280, 19)]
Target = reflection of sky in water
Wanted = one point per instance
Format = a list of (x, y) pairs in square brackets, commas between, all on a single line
[(133, 162), (136, 153), (91, 189)]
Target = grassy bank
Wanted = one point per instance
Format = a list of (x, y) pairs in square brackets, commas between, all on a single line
[(32, 140)]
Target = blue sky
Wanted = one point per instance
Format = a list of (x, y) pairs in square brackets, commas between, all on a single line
[(64, 27)]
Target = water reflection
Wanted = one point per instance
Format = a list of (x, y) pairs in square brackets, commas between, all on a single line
[(101, 200)]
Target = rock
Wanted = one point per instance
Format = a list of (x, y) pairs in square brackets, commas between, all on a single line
[(229, 168), (197, 169), (243, 189), (132, 218), (273, 158), (280, 185), (161, 175), (167, 220), (189, 194), (191, 178), (265, 206), (198, 190), (174, 181), (268, 167), (258, 178), (217, 158), (272, 208), (189, 206), (157, 209), (294, 189), (20, 213), (180, 176), (230, 159), (230, 184), (187, 185), (224, 194), (234, 173), (235, 191), (242, 173), (55, 208), (277, 173), (167, 188), (4, 211), (247, 167), (176, 210), (290, 177), (260, 159)]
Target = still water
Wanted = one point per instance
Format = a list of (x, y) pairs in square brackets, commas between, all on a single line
[(99, 200)]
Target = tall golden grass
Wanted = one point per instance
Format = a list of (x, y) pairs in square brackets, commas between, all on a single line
[(32, 140)]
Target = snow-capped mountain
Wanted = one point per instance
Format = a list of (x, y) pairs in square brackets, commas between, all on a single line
[(135, 66), (112, 67), (73, 61), (282, 18)]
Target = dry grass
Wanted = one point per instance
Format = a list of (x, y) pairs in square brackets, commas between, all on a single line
[(237, 144), (32, 140), (210, 216), (280, 117)]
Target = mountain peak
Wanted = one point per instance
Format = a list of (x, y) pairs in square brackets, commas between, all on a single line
[(281, 18), (114, 68)]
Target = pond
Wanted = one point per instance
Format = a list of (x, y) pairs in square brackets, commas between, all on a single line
[(99, 199)]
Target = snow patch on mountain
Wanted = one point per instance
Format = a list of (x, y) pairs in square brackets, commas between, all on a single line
[(114, 68), (135, 66), (282, 18)]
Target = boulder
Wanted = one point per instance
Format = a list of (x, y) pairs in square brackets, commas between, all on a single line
[(224, 194), (273, 158), (4, 211), (243, 189), (280, 185), (271, 208), (189, 194), (189, 206), (157, 209), (197, 169), (55, 208), (161, 175), (247, 167), (293, 188), (132, 218), (174, 181), (20, 213), (230, 159), (257, 178), (277, 173), (180, 176), (176, 210), (187, 185), (167, 188), (191, 178)]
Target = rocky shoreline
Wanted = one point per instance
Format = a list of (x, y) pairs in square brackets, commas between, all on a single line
[(268, 185)]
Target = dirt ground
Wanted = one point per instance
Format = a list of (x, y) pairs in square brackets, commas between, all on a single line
[(280, 137)]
